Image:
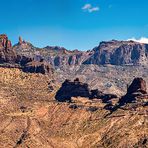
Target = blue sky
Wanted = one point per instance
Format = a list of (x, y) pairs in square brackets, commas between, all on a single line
[(74, 24)]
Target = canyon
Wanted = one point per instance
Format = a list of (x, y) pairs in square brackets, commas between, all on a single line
[(54, 97)]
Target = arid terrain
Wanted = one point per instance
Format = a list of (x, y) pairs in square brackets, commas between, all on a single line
[(30, 117), (56, 98)]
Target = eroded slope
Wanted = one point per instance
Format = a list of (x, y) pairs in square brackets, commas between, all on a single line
[(30, 117)]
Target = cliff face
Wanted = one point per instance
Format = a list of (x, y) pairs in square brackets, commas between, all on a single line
[(119, 53), (7, 54), (38, 67)]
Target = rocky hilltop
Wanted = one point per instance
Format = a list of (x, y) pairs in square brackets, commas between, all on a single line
[(136, 90), (76, 88)]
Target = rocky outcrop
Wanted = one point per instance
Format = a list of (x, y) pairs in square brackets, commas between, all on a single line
[(20, 40), (7, 54), (135, 97), (72, 89), (138, 85), (38, 67), (4, 42), (136, 92), (76, 88)]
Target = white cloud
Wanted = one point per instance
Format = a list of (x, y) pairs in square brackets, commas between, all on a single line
[(86, 7), (89, 8), (93, 9), (141, 40)]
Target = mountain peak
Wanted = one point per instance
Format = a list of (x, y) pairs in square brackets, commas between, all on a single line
[(20, 40)]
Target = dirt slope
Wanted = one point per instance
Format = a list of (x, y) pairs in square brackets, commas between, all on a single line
[(30, 117)]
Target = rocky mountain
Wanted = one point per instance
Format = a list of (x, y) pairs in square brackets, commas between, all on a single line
[(119, 53), (57, 56), (112, 52), (117, 62), (10, 58)]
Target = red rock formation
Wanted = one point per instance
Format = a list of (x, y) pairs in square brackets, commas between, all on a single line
[(138, 85), (8, 44), (72, 89), (136, 92), (4, 42), (7, 54)]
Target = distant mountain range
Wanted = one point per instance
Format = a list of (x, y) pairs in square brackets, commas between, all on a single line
[(111, 52)]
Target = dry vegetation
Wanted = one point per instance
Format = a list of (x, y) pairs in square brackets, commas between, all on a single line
[(30, 117)]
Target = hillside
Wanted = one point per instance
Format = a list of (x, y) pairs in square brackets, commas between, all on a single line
[(30, 117)]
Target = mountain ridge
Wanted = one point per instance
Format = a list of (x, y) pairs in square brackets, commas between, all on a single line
[(112, 52)]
